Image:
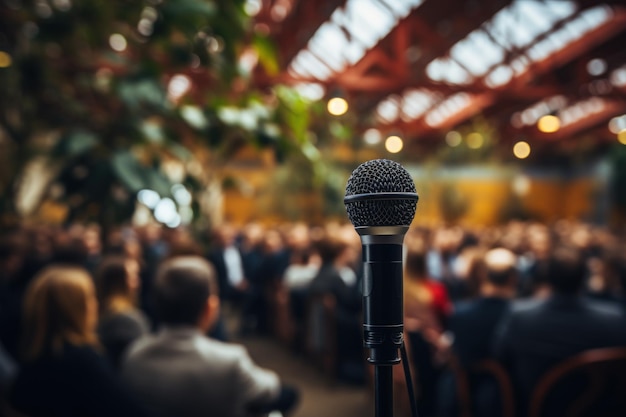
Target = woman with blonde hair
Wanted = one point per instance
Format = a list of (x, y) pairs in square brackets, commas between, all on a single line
[(63, 372)]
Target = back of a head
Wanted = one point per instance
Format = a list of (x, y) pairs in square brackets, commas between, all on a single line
[(111, 278), (566, 270), (500, 267), (330, 247), (183, 285), (58, 309)]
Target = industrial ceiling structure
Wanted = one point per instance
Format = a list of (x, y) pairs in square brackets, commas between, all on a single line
[(424, 68)]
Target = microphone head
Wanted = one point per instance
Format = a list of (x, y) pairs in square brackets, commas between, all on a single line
[(380, 192)]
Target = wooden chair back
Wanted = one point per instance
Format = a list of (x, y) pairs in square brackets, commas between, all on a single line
[(491, 371), (592, 383)]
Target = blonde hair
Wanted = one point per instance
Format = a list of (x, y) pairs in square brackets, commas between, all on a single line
[(56, 310)]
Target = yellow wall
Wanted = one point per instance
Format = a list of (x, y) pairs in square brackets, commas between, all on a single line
[(547, 200)]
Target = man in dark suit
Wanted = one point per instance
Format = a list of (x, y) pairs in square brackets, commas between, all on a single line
[(472, 326), (473, 323), (535, 337)]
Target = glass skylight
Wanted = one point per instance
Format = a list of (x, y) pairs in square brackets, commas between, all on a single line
[(521, 25), (346, 37)]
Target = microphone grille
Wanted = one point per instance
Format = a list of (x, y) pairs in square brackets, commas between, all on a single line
[(377, 177)]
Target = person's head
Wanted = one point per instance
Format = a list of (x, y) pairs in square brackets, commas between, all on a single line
[(186, 292), (415, 266), (566, 270), (333, 248), (500, 268), (59, 307), (117, 278)]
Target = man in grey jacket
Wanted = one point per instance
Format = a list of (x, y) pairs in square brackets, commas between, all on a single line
[(181, 372)]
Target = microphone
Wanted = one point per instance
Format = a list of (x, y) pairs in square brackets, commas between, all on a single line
[(380, 202)]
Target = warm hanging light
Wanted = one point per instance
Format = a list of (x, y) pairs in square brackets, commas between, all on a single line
[(394, 144), (337, 106), (521, 150), (548, 123)]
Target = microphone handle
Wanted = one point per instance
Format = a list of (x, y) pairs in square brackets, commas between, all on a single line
[(383, 300)]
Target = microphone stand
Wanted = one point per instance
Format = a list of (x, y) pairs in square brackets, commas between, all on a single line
[(383, 390)]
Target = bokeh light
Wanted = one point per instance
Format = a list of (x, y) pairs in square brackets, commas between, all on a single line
[(453, 138), (372, 136), (548, 124), (394, 144), (521, 150), (337, 106), (617, 124), (475, 140), (621, 137), (118, 42), (5, 60)]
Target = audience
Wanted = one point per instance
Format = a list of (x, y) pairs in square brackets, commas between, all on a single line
[(120, 321), (537, 336), (181, 372), (63, 372), (550, 291)]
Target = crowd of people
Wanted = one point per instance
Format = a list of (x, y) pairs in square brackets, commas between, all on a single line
[(133, 321)]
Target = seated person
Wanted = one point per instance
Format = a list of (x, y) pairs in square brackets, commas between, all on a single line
[(474, 322), (472, 327), (534, 338), (63, 373), (336, 277), (120, 320), (182, 372)]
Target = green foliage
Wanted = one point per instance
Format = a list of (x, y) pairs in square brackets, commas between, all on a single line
[(105, 103)]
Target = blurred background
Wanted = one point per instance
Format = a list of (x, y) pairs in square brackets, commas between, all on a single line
[(154, 124), (193, 112)]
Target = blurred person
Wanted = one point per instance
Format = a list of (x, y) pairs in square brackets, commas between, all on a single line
[(474, 322), (266, 275), (63, 372), (154, 249), (336, 278), (533, 338), (120, 321), (472, 327), (303, 266), (607, 277), (297, 278), (441, 259), (203, 376), (426, 311), (533, 265), (226, 258)]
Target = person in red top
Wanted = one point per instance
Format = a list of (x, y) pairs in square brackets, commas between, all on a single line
[(427, 307)]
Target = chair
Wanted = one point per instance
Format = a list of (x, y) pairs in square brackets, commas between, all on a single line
[(592, 383), (321, 328), (484, 370)]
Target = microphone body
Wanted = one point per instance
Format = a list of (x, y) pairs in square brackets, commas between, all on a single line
[(381, 201), (382, 293)]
